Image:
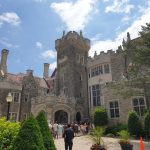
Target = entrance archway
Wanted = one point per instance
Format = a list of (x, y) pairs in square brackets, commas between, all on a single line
[(61, 116), (78, 117)]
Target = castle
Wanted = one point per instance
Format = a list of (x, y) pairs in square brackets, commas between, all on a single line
[(74, 89)]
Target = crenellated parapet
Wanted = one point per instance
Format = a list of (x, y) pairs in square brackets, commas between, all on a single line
[(72, 38), (101, 55), (108, 53)]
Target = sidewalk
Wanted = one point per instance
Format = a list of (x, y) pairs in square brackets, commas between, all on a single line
[(84, 143)]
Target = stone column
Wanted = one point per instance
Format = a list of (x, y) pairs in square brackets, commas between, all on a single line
[(46, 70), (3, 64)]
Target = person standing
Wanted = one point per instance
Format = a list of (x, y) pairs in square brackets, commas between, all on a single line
[(68, 137), (56, 130)]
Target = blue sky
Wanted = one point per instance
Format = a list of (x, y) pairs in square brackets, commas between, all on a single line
[(29, 28)]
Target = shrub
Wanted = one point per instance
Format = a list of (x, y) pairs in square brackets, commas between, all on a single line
[(29, 136), (147, 123), (96, 135), (116, 128), (125, 136), (134, 124), (8, 132), (47, 137), (100, 117)]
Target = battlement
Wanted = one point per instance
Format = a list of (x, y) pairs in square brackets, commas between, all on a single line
[(103, 54), (72, 38)]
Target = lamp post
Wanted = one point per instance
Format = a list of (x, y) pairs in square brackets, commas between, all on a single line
[(9, 100)]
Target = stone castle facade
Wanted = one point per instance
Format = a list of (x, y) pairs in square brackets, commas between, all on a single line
[(74, 89)]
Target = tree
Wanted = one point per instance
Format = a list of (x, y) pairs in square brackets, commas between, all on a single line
[(147, 123), (100, 117), (8, 133), (138, 51), (134, 124), (47, 137), (136, 54), (29, 136)]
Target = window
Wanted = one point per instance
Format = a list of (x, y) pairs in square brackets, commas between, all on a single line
[(97, 71), (114, 109), (106, 68), (96, 95), (100, 69), (93, 72), (16, 97), (139, 105), (26, 97)]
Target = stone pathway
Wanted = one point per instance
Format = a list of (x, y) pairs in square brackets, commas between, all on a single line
[(84, 143)]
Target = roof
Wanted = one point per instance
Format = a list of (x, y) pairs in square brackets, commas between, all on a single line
[(18, 78), (15, 77), (41, 82)]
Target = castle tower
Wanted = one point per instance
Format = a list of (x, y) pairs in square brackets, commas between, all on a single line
[(71, 80), (3, 64)]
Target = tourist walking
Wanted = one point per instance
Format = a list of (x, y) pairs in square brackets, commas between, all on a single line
[(68, 137)]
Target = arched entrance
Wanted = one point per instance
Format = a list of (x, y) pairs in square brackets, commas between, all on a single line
[(78, 117), (61, 116)]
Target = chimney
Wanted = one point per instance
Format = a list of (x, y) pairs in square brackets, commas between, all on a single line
[(29, 71), (46, 70), (3, 64)]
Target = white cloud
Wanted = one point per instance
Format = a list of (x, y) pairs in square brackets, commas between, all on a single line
[(53, 66), (11, 18), (125, 18), (48, 54), (119, 6), (104, 45), (39, 45), (75, 15), (4, 41)]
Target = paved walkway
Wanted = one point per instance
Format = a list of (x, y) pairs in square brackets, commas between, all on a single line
[(84, 143)]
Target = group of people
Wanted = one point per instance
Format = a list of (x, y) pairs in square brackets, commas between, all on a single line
[(68, 132), (57, 129)]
